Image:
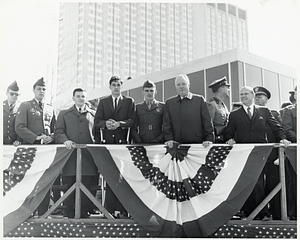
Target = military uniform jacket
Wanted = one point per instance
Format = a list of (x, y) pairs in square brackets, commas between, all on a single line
[(9, 133), (219, 115), (124, 112), (289, 122), (245, 130), (32, 121), (187, 120), (77, 127), (147, 126)]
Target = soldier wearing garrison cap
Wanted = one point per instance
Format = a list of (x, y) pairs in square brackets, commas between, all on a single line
[(35, 122), (217, 109), (149, 117), (10, 108)]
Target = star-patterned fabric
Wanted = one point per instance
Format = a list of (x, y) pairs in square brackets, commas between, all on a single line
[(188, 191)]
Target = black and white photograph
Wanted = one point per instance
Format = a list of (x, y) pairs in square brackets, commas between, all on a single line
[(149, 119)]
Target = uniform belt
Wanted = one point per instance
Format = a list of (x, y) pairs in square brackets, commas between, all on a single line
[(149, 127)]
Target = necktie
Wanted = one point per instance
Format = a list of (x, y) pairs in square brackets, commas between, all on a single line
[(41, 105), (249, 112), (116, 104), (11, 107), (149, 105)]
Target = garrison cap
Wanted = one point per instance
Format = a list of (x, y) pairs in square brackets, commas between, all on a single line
[(14, 86), (219, 83), (148, 84), (262, 90), (293, 91), (40, 82)]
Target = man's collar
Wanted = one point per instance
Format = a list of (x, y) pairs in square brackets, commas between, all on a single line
[(120, 97), (251, 107), (189, 96)]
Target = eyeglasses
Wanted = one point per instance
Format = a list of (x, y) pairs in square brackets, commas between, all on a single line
[(12, 93)]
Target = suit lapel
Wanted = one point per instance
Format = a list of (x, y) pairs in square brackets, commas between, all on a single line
[(255, 113), (120, 103), (110, 104), (244, 114)]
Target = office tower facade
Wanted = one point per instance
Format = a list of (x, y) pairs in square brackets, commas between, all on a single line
[(98, 40)]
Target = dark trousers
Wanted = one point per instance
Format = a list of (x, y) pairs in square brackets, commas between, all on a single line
[(44, 205), (291, 189), (86, 204), (112, 203), (256, 197), (272, 179)]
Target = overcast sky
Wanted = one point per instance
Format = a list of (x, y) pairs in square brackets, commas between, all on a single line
[(29, 33)]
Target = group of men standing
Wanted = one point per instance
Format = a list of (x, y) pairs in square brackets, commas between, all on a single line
[(184, 118)]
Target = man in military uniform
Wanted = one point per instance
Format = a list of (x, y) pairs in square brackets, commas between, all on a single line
[(217, 109), (35, 122), (270, 174), (10, 108), (147, 126)]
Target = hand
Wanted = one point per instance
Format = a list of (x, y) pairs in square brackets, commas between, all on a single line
[(69, 144), (206, 144), (285, 142), (40, 137), (230, 142), (47, 140), (170, 143), (109, 124), (16, 143), (276, 162)]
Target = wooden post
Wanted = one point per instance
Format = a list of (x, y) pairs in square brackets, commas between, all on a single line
[(283, 184), (78, 181)]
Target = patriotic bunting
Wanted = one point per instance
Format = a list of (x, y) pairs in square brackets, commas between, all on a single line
[(29, 173), (188, 191)]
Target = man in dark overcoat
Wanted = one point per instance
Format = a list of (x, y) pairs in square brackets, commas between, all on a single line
[(114, 117), (75, 125), (186, 117)]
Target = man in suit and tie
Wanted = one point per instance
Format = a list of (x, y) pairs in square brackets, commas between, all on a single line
[(35, 123), (248, 124), (148, 118), (10, 108), (75, 125), (114, 116)]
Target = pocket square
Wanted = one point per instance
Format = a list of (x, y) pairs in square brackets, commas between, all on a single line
[(260, 117)]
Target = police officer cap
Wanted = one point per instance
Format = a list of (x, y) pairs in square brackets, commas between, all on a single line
[(262, 90), (293, 91), (148, 84), (14, 86), (219, 83), (40, 82)]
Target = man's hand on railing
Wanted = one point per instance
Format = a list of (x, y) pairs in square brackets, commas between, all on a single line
[(206, 144), (170, 143), (69, 144), (285, 142), (231, 142), (276, 162)]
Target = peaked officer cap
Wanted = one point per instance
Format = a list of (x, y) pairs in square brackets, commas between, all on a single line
[(262, 90), (219, 83)]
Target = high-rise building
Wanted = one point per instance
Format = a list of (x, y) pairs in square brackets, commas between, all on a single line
[(98, 40)]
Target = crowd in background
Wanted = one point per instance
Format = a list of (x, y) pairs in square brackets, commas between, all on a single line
[(184, 118)]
